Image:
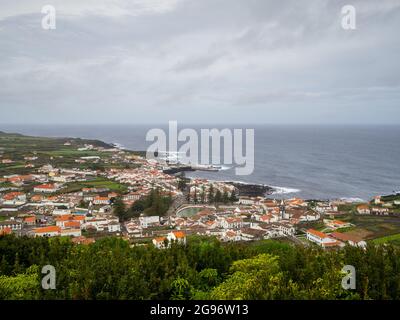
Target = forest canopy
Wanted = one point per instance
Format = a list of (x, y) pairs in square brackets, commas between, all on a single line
[(203, 269)]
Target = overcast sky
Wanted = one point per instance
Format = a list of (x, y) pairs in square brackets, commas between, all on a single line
[(220, 61)]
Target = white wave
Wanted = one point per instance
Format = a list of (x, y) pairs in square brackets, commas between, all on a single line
[(118, 146), (352, 199), (223, 168), (282, 190)]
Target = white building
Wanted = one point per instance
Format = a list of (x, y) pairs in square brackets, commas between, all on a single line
[(11, 224), (101, 200), (146, 222), (321, 238), (363, 209), (98, 224), (114, 227), (246, 200), (287, 229), (177, 236), (71, 232), (46, 188), (50, 231)]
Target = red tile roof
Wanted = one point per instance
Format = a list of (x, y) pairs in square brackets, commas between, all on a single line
[(179, 234), (317, 233), (47, 229)]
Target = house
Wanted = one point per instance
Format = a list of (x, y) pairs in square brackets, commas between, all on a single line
[(177, 236), (46, 188), (230, 235), (114, 227), (301, 214), (50, 231), (133, 229), (211, 224), (14, 199), (98, 224), (37, 198), (287, 229), (249, 234), (321, 238), (60, 211), (70, 221), (63, 178), (324, 207), (71, 232), (72, 225), (231, 223), (363, 209), (132, 196), (296, 202), (112, 195), (380, 211), (30, 221), (5, 231), (246, 200), (267, 218), (146, 222), (101, 200), (160, 242), (335, 224), (377, 200), (350, 239), (11, 224)]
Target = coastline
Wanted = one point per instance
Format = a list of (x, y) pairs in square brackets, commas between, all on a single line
[(279, 190)]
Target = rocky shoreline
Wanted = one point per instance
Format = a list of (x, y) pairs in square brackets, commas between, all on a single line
[(251, 190)]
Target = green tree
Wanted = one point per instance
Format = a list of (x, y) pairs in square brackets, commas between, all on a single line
[(225, 197), (233, 197), (195, 200), (251, 279), (120, 209), (25, 286), (203, 194), (180, 289), (211, 194), (218, 197)]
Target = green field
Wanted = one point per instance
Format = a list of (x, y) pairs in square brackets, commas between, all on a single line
[(52, 150), (73, 153), (96, 183), (372, 227), (16, 147), (393, 239)]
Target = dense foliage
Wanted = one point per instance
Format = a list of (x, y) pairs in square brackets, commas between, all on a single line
[(155, 204), (203, 269)]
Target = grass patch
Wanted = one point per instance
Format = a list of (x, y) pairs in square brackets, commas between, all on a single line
[(395, 238), (95, 183)]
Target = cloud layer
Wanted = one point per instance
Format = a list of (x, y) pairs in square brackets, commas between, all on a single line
[(239, 61)]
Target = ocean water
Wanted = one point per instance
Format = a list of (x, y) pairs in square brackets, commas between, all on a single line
[(313, 162)]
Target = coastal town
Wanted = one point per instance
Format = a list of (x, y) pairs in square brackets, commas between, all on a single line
[(108, 191)]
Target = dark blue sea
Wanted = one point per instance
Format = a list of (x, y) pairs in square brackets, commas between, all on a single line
[(314, 162)]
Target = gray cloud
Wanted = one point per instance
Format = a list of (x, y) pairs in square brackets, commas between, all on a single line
[(199, 61)]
